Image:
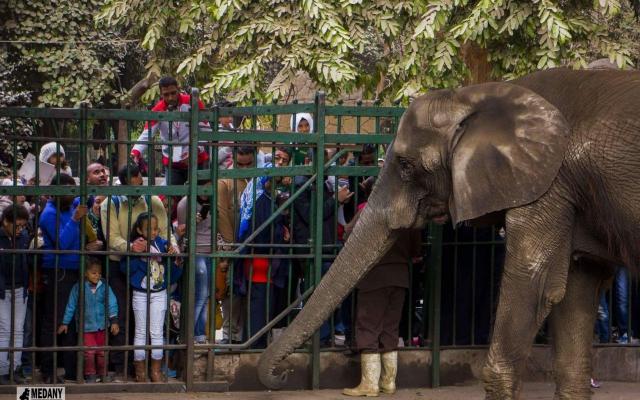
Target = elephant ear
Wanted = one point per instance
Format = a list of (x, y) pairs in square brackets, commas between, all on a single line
[(506, 152)]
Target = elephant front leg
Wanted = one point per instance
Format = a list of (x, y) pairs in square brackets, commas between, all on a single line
[(571, 323), (538, 247)]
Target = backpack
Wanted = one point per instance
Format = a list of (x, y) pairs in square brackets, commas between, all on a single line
[(116, 203)]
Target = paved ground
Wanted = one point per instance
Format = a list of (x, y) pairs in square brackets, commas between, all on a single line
[(532, 391)]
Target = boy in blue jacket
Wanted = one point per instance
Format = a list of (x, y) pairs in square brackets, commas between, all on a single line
[(96, 291)]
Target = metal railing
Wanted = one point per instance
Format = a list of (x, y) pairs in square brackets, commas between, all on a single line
[(262, 129), (453, 305)]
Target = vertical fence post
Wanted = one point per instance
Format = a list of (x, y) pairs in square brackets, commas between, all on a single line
[(83, 201), (193, 187), (213, 174), (435, 287), (318, 164)]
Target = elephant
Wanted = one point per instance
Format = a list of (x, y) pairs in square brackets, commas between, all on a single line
[(557, 154)]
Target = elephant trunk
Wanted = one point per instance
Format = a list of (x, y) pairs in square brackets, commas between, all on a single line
[(369, 241)]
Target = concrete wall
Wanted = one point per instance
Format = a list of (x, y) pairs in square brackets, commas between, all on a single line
[(458, 366)]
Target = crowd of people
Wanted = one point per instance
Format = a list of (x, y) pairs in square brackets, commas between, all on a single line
[(135, 256)]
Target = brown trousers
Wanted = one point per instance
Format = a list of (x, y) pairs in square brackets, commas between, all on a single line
[(378, 317)]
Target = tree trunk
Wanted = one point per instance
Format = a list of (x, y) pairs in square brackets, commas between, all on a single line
[(132, 99), (476, 59)]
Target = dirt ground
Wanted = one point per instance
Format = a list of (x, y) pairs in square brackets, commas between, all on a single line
[(532, 391)]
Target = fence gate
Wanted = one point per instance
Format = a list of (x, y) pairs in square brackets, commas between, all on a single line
[(202, 277)]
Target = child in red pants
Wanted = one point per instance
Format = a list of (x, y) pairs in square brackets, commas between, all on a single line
[(96, 291)]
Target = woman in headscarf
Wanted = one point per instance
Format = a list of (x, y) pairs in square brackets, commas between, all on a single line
[(53, 153), (301, 123)]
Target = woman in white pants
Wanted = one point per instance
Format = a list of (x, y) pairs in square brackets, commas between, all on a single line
[(14, 270)]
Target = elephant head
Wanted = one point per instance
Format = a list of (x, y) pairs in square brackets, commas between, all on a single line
[(458, 153)]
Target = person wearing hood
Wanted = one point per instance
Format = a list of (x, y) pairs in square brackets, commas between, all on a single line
[(53, 153), (301, 123)]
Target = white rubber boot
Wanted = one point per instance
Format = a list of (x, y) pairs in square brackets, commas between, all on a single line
[(370, 366), (389, 372)]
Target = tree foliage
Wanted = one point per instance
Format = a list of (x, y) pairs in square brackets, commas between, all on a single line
[(255, 48), (12, 94), (62, 56)]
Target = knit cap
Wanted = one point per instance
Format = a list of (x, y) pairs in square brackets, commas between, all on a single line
[(48, 150)]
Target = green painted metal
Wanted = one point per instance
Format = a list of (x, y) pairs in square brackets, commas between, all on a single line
[(83, 200), (190, 272), (259, 136), (319, 155), (434, 284), (319, 140), (364, 111)]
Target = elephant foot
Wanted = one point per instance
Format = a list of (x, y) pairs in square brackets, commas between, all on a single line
[(500, 385), (572, 396), (570, 389)]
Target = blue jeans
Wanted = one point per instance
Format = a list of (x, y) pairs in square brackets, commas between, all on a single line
[(201, 298), (621, 299)]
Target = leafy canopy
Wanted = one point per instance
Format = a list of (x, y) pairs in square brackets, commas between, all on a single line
[(390, 48), (59, 54)]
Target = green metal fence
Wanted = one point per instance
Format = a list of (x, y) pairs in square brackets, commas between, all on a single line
[(338, 131), (452, 293)]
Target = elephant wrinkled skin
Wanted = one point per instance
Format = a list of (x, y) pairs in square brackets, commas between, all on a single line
[(558, 152)]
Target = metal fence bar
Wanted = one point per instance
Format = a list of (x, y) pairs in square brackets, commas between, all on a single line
[(318, 141), (193, 183), (435, 293), (318, 163)]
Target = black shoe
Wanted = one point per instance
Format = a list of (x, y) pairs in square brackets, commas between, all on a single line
[(18, 378), (90, 379), (20, 374), (326, 344), (69, 378)]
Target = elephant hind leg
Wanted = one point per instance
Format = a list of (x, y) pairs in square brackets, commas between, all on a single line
[(571, 322)]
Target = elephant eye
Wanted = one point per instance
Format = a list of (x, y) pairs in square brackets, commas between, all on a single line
[(406, 168)]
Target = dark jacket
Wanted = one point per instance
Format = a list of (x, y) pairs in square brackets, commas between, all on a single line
[(138, 269), (279, 266), (21, 265), (393, 267), (67, 237), (303, 214)]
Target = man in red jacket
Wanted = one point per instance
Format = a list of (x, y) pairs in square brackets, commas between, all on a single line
[(175, 156)]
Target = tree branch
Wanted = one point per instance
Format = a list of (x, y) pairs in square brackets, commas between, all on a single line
[(134, 94)]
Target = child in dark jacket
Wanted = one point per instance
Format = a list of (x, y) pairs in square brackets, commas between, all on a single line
[(95, 299), (14, 269), (149, 278)]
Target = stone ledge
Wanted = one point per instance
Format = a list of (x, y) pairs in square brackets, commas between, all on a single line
[(457, 366)]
